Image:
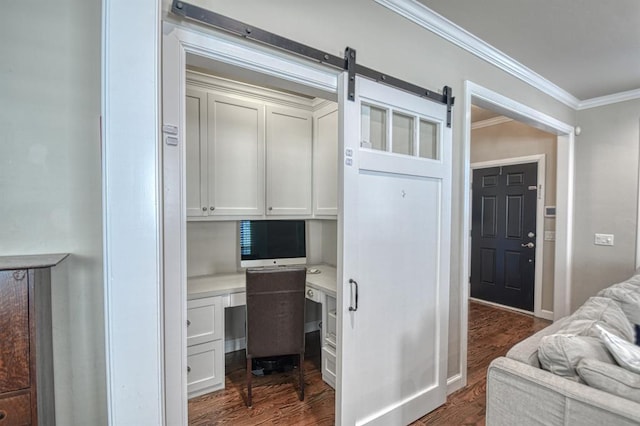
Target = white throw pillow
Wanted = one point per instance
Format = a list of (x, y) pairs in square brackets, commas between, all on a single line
[(560, 354), (627, 298), (627, 354)]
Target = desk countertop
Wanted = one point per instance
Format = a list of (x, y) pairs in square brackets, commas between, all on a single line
[(217, 285)]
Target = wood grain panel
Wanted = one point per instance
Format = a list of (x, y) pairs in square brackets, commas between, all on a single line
[(492, 332), (14, 331), (15, 410)]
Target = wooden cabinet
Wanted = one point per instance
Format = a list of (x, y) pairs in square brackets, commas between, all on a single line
[(26, 350), (289, 150), (205, 345)]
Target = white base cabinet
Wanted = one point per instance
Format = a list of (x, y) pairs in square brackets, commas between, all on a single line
[(205, 345)]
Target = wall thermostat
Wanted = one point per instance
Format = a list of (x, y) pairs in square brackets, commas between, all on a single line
[(549, 211)]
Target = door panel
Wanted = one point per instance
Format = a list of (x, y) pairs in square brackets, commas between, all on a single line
[(394, 232), (503, 216)]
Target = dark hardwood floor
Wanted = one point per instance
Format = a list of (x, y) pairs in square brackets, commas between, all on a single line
[(492, 331)]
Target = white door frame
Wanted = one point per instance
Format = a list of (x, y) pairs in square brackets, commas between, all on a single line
[(214, 46), (540, 159), (486, 98)]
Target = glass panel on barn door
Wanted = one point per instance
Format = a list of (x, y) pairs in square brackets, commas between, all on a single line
[(374, 127), (402, 134), (428, 141)]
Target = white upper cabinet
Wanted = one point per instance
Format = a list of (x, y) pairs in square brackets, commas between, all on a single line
[(289, 149), (236, 156), (196, 152), (325, 161), (253, 152)]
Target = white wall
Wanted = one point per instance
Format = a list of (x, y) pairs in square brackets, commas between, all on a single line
[(404, 50), (606, 196), (50, 180), (515, 139)]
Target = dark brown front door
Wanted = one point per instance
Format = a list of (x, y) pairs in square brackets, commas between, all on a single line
[(503, 234)]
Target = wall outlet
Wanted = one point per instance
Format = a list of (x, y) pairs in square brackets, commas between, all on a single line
[(603, 240)]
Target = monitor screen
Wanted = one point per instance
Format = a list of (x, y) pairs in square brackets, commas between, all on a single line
[(272, 242)]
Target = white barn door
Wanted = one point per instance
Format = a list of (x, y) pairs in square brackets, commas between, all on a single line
[(394, 254)]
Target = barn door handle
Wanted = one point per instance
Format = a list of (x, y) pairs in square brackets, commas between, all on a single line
[(352, 282), (528, 245)]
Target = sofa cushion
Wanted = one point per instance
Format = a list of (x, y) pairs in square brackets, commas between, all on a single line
[(587, 327), (605, 310), (560, 354), (610, 378), (627, 354), (627, 298)]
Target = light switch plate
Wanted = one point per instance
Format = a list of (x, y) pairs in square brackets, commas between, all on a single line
[(549, 235), (603, 240)]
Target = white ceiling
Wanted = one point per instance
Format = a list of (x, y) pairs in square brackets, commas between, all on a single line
[(589, 48)]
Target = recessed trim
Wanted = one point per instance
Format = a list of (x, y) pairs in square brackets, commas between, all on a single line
[(490, 122), (441, 26)]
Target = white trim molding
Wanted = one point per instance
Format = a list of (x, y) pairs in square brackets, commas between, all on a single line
[(483, 97), (609, 99), (490, 122), (132, 224), (441, 26)]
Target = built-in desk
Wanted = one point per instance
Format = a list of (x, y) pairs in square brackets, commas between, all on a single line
[(209, 295)]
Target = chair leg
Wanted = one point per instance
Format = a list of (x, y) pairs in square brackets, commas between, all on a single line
[(301, 372), (249, 382)]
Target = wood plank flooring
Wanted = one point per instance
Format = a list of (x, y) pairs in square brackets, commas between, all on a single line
[(492, 331)]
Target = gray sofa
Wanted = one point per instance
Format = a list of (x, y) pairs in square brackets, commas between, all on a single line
[(520, 391)]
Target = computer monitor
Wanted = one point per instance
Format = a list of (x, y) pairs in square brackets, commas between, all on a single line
[(272, 243)]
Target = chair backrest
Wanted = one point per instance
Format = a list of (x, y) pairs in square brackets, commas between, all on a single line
[(275, 311)]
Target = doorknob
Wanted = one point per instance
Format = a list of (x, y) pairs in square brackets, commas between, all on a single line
[(528, 245)]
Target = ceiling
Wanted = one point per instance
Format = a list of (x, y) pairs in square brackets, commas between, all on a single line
[(589, 48)]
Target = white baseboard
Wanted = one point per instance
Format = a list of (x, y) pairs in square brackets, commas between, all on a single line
[(232, 345), (454, 383), (544, 314)]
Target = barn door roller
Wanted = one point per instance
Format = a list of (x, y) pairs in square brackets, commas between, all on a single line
[(348, 63)]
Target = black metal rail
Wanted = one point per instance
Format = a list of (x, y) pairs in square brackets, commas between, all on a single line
[(348, 63)]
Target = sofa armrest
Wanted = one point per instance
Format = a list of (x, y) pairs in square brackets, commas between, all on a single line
[(520, 394)]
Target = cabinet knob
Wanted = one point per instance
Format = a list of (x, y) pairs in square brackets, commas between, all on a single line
[(188, 369), (3, 414), (188, 323), (270, 208), (19, 275), (212, 208), (310, 293), (204, 209)]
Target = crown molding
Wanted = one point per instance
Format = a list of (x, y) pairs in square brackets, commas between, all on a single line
[(439, 25), (609, 99), (490, 122)]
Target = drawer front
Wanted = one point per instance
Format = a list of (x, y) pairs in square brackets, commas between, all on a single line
[(313, 294), (205, 320), (329, 366), (205, 368), (14, 331), (15, 410)]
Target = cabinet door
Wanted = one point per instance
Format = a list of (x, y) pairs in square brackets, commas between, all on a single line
[(235, 156), (325, 161), (288, 161), (14, 331), (196, 153), (205, 320)]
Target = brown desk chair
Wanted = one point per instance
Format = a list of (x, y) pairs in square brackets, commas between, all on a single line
[(275, 316)]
